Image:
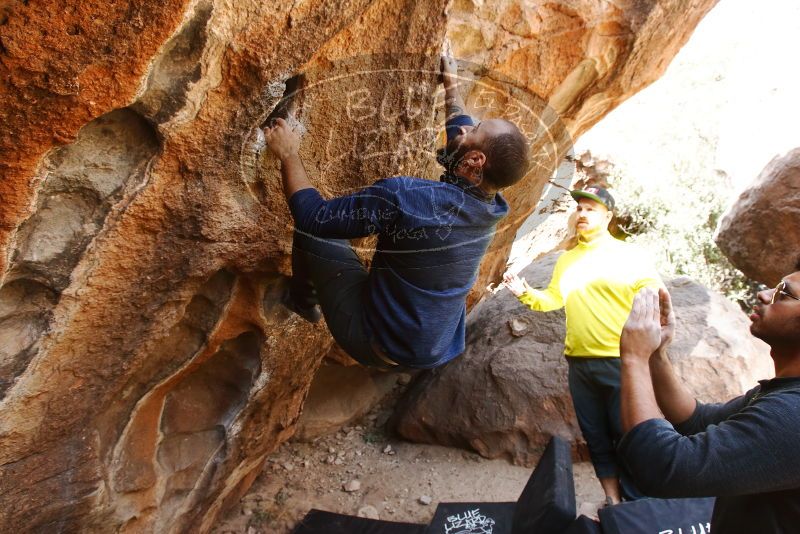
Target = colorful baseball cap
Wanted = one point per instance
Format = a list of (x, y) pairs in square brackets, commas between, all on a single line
[(598, 194)]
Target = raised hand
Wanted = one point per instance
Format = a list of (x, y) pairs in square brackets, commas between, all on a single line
[(518, 286), (666, 318), (641, 335)]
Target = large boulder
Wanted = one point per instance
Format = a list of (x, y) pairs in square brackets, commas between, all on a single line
[(508, 392), (147, 368), (760, 231)]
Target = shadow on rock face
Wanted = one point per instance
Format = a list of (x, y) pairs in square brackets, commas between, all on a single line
[(176, 69), (197, 414), (178, 435), (82, 184)]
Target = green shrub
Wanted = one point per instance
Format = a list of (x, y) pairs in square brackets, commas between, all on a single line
[(676, 221)]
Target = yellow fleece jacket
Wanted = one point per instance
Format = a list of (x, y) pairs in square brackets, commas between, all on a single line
[(596, 282)]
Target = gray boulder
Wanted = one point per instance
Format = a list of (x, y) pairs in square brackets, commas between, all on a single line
[(760, 231)]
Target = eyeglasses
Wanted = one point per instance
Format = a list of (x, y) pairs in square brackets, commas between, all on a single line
[(780, 289)]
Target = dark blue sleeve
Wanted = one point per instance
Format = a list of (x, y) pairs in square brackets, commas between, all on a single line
[(753, 451), (452, 124), (712, 414), (363, 213)]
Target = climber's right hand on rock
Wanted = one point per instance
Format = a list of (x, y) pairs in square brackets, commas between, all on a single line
[(449, 69), (282, 140)]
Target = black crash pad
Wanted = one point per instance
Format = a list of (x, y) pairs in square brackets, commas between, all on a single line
[(547, 504), (472, 518), (662, 516), (321, 522)]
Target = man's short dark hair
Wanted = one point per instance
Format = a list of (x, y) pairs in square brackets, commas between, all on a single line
[(507, 159)]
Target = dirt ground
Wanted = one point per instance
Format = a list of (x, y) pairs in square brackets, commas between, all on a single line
[(363, 471)]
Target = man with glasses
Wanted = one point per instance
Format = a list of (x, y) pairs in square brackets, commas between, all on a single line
[(745, 451)]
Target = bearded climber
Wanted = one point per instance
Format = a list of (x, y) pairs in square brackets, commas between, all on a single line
[(409, 308)]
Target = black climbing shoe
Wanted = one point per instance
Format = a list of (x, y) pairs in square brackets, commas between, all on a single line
[(311, 314)]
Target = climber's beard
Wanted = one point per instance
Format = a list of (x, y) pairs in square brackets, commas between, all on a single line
[(452, 153)]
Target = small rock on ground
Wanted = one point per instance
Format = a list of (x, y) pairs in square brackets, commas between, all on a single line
[(353, 485), (370, 512)]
